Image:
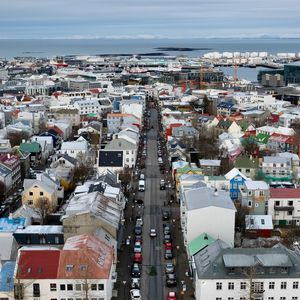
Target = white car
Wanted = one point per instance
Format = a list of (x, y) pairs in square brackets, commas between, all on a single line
[(152, 232), (139, 222), (137, 247), (135, 283), (135, 294)]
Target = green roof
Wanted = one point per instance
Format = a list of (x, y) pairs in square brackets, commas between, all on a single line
[(199, 243), (262, 138), (33, 147), (187, 168), (244, 124), (246, 162)]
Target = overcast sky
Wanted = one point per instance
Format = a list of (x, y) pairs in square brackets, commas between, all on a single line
[(147, 19)]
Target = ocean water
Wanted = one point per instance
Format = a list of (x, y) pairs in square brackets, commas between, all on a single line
[(52, 47)]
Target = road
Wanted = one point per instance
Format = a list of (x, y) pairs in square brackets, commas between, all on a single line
[(153, 285)]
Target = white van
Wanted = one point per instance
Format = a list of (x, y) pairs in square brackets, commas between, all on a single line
[(141, 185)]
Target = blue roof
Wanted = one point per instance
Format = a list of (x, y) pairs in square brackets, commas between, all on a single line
[(7, 276), (136, 97), (11, 225)]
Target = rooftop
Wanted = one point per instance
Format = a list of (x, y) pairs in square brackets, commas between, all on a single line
[(11, 225)]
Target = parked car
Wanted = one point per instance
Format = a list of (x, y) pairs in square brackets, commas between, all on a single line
[(168, 246), (135, 283), (168, 254), (142, 176), (162, 184), (171, 296), (137, 247), (139, 238), (135, 271), (167, 229), (167, 238), (139, 222), (137, 257), (165, 215), (169, 268), (138, 230), (152, 232), (135, 294), (171, 280)]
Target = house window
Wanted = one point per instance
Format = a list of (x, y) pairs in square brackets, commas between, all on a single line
[(290, 213), (295, 285), (52, 287), (219, 285), (94, 287), (261, 193), (62, 287), (70, 287), (282, 298), (231, 285), (69, 268), (283, 285), (230, 298), (249, 193), (243, 285), (262, 221), (78, 287), (271, 285), (41, 193), (247, 170), (277, 203), (242, 298), (291, 203), (218, 298), (30, 193), (36, 290), (270, 298), (56, 239), (101, 287), (29, 202), (83, 267), (250, 203)]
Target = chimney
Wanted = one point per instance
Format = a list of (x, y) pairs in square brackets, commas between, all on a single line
[(206, 237)]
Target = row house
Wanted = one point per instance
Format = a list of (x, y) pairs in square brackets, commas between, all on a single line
[(284, 206), (254, 195), (83, 269), (281, 143), (275, 167), (224, 273), (11, 166)]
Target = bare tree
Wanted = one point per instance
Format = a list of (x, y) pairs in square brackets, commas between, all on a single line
[(43, 207), (240, 215), (16, 138), (81, 173)]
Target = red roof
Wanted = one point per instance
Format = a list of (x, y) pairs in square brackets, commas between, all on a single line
[(284, 193), (38, 264)]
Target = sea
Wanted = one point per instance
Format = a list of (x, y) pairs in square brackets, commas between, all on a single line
[(10, 48)]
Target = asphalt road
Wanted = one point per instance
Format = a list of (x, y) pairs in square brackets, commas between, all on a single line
[(153, 254)]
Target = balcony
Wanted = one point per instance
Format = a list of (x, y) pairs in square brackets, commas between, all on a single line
[(283, 208)]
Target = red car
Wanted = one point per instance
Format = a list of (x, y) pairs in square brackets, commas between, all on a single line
[(168, 246), (137, 258), (171, 296)]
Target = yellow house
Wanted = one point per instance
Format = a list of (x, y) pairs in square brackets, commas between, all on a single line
[(38, 193), (185, 170)]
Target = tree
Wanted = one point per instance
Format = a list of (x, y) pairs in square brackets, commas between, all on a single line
[(205, 103), (16, 138), (81, 173), (241, 212), (249, 144), (43, 207)]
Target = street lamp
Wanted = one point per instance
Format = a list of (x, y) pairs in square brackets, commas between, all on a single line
[(124, 289)]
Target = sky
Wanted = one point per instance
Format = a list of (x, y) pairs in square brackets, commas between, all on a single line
[(148, 18)]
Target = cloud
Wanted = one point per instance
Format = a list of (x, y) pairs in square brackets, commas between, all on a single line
[(187, 18)]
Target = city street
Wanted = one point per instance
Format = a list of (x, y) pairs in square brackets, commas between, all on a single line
[(155, 202)]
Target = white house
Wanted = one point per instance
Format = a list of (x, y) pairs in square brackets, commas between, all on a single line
[(83, 269), (223, 273), (284, 206), (75, 149), (208, 210)]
